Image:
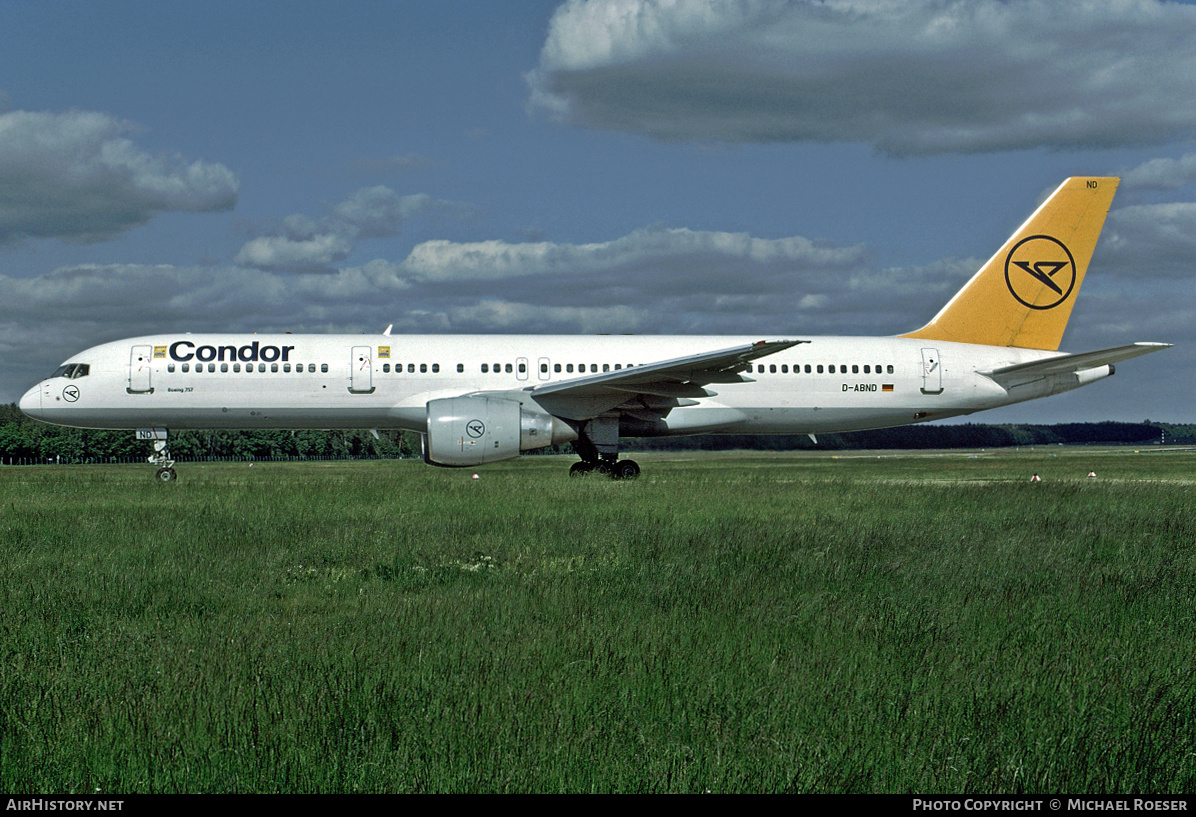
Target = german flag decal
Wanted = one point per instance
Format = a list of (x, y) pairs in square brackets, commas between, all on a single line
[(886, 386)]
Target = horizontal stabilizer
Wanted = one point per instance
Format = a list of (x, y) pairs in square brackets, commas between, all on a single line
[(1008, 376)]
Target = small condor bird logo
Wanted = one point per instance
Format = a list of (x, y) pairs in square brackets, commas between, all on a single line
[(1040, 272), (475, 428)]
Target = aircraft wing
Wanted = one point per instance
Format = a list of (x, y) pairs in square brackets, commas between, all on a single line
[(655, 387), (1019, 373)]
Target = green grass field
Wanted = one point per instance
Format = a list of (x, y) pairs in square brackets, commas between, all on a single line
[(727, 623)]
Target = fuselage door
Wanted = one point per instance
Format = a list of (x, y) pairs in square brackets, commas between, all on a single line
[(544, 368), (361, 370), (521, 368), (141, 361), (932, 372)]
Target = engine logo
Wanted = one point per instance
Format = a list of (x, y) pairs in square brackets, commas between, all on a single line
[(1040, 272), (475, 428)]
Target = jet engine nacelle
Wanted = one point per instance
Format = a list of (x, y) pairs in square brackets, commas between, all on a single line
[(466, 431)]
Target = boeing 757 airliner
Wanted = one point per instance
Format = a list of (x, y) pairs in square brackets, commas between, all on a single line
[(478, 399)]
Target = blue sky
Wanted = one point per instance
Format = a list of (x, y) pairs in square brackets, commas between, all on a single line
[(696, 166)]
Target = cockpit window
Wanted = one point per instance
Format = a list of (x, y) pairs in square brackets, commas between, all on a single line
[(72, 371)]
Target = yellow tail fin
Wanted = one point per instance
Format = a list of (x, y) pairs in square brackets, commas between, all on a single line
[(1023, 296)]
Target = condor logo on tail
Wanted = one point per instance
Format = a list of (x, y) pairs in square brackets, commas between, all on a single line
[(1040, 272), (1041, 265)]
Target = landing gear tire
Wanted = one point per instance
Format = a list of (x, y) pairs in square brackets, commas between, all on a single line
[(161, 457), (614, 469), (625, 469)]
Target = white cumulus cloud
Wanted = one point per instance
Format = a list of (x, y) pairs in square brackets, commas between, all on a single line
[(665, 247), (1161, 174), (304, 245)]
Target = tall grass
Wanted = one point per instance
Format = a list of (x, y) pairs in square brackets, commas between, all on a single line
[(762, 623)]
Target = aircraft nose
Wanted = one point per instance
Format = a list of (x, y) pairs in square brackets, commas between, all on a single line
[(31, 401)]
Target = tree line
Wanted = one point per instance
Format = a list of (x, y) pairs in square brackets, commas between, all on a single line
[(962, 435), (25, 441)]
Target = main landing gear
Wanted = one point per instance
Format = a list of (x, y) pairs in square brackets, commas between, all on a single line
[(615, 469), (598, 446)]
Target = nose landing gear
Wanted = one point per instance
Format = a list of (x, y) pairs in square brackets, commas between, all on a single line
[(161, 457)]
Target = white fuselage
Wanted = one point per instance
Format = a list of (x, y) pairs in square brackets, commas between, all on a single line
[(823, 384)]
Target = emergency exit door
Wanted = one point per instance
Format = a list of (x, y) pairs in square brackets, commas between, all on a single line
[(932, 372), (141, 361), (361, 370)]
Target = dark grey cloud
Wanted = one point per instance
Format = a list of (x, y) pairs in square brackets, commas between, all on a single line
[(75, 176), (910, 77)]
